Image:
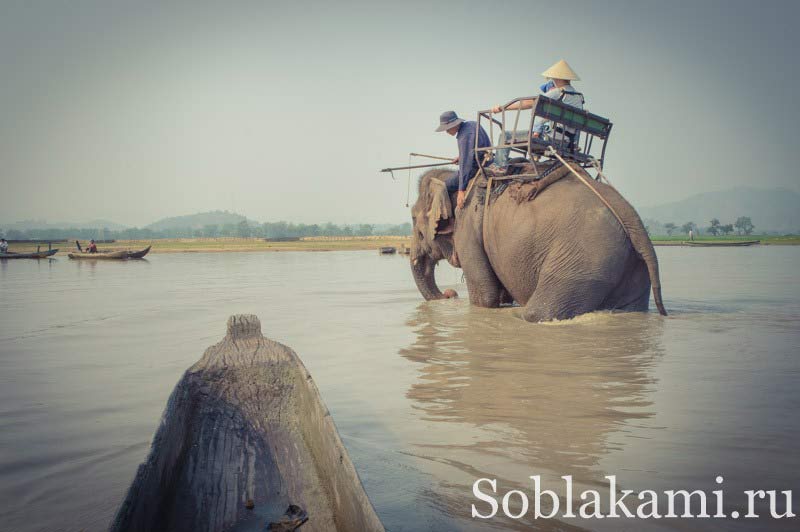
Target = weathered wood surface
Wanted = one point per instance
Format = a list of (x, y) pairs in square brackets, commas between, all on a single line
[(32, 255), (111, 255), (139, 254), (100, 255), (246, 422)]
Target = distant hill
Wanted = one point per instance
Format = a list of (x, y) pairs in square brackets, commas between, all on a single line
[(27, 225), (198, 221), (771, 210)]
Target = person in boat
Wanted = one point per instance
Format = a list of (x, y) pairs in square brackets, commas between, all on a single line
[(465, 133), (558, 87), (92, 247), (3, 245)]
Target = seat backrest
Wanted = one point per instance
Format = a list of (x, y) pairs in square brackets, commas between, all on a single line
[(573, 118)]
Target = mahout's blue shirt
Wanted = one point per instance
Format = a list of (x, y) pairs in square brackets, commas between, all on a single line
[(467, 165)]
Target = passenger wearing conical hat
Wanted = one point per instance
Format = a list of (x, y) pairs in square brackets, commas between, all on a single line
[(558, 82), (557, 87)]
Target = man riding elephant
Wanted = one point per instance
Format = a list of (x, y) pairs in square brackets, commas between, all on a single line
[(465, 132)]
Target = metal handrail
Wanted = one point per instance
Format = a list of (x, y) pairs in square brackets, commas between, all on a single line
[(561, 121), (515, 100)]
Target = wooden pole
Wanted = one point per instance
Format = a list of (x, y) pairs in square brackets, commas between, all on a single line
[(415, 166), (431, 156)]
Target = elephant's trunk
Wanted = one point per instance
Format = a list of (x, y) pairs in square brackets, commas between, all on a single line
[(422, 267)]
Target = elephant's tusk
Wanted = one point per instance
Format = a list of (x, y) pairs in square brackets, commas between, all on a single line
[(415, 262)]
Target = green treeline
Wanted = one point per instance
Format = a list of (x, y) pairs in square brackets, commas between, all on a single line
[(242, 229), (742, 226)]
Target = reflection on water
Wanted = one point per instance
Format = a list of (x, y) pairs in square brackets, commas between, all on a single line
[(526, 400), (428, 397), (660, 403), (554, 391)]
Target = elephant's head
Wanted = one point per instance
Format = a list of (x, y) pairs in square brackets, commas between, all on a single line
[(432, 232)]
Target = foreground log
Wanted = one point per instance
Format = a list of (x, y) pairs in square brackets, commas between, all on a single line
[(246, 443)]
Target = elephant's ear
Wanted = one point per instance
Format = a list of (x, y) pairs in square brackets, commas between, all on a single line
[(440, 215)]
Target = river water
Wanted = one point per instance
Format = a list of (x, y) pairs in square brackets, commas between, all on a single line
[(428, 397)]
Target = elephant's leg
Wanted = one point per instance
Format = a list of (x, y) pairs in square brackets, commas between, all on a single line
[(563, 298), (633, 292), (485, 294), (485, 289)]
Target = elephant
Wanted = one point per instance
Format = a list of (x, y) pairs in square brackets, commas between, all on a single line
[(562, 254)]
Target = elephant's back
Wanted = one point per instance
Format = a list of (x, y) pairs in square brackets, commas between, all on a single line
[(567, 206)]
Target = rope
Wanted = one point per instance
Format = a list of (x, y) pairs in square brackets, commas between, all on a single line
[(489, 185), (600, 174), (553, 153)]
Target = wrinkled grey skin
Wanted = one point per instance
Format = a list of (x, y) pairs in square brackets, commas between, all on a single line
[(559, 256)]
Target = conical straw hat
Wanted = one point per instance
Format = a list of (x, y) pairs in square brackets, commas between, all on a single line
[(561, 70)]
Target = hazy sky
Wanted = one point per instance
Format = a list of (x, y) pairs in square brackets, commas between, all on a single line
[(132, 111)]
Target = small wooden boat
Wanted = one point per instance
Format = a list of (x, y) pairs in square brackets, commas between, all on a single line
[(34, 255), (139, 254), (246, 443), (100, 255), (111, 255), (387, 250), (721, 243)]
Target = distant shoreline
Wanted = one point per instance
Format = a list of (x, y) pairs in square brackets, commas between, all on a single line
[(228, 245), (766, 240)]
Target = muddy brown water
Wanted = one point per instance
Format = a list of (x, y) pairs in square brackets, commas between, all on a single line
[(428, 397)]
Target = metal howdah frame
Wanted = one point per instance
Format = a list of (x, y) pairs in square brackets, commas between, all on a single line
[(594, 130)]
